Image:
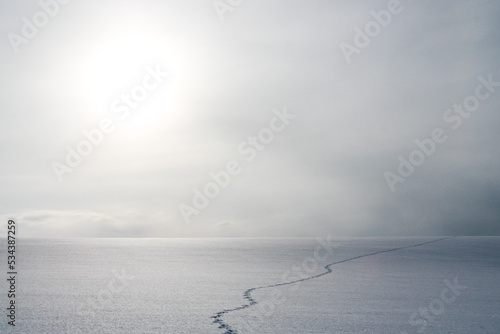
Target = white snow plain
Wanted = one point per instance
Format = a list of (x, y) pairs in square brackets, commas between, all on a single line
[(375, 285)]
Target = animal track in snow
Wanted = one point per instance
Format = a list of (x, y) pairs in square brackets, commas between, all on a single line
[(248, 293)]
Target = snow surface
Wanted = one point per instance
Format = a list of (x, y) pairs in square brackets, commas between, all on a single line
[(373, 285)]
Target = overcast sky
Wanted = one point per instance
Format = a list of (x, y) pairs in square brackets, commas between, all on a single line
[(310, 111)]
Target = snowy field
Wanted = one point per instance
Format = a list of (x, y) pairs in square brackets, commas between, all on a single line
[(344, 285)]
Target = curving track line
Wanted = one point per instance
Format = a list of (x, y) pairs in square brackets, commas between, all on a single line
[(248, 293)]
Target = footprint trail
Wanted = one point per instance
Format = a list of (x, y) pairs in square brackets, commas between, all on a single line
[(250, 301)]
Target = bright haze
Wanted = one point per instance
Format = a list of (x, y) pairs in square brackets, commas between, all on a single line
[(251, 118)]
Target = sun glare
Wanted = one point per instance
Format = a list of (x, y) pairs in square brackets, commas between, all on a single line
[(120, 63)]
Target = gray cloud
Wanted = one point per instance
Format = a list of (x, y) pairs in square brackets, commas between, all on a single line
[(323, 174)]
